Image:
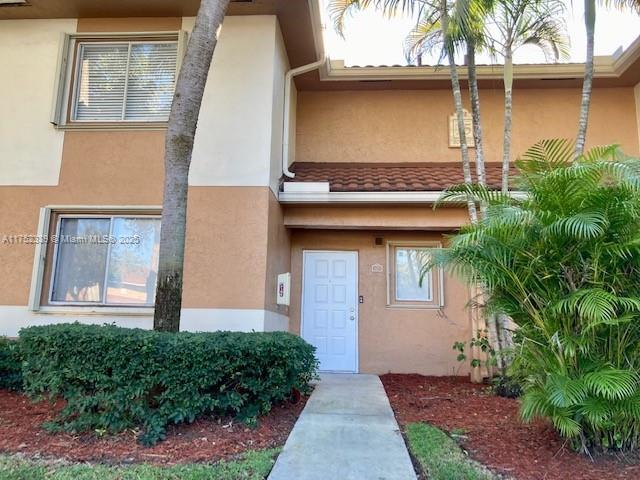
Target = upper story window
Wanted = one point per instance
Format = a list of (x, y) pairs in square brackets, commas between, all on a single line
[(124, 81), (113, 80)]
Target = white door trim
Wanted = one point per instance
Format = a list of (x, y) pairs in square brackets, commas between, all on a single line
[(357, 304)]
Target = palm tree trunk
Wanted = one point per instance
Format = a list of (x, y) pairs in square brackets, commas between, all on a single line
[(474, 96), (508, 107), (457, 100), (181, 130), (590, 22)]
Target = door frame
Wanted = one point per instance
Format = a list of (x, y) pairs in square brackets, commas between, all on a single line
[(357, 309)]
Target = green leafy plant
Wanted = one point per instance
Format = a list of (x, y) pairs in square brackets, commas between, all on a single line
[(481, 342), (115, 379), (564, 263), (503, 385), (10, 364)]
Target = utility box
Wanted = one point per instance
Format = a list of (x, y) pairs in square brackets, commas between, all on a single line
[(283, 291)]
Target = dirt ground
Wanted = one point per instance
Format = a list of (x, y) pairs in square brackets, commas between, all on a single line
[(492, 433), (205, 440)]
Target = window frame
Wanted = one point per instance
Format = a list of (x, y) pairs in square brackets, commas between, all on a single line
[(65, 91), (54, 261), (46, 255), (437, 277)]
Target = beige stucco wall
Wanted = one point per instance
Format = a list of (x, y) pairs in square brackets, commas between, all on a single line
[(636, 93), (133, 165), (30, 148), (411, 126), (379, 217), (278, 255), (240, 123), (236, 241), (390, 339)]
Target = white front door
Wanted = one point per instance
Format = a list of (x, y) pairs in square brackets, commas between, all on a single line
[(330, 308)]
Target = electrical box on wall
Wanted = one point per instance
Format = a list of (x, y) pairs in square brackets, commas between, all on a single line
[(283, 291)]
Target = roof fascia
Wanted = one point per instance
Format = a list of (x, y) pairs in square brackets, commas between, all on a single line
[(606, 66), (426, 197)]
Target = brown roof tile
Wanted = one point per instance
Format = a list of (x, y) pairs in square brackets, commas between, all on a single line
[(389, 177)]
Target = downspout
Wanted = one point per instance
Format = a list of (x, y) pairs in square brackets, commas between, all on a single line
[(288, 82)]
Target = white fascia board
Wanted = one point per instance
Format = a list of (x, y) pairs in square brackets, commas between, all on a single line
[(369, 197), (605, 67), (308, 187)]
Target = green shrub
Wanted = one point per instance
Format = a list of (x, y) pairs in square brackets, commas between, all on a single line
[(116, 378), (564, 263), (10, 364)]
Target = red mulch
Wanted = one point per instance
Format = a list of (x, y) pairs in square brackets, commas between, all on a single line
[(494, 434), (205, 440)]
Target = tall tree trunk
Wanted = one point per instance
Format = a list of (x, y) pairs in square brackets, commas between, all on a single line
[(590, 23), (181, 130), (474, 97), (457, 100), (508, 107)]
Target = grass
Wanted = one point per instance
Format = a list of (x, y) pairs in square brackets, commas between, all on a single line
[(252, 466), (440, 457)]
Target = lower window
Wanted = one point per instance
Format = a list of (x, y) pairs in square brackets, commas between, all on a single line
[(105, 260), (409, 283)]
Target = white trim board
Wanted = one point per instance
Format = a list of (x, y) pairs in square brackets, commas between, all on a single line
[(369, 197), (13, 318)]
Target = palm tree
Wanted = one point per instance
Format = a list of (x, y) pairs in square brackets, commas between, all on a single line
[(590, 26), (181, 130), (467, 29), (503, 26), (564, 264), (512, 25), (449, 50), (437, 11)]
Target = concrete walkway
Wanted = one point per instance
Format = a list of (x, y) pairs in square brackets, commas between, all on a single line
[(347, 431)]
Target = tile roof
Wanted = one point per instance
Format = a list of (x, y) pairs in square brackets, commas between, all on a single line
[(389, 177)]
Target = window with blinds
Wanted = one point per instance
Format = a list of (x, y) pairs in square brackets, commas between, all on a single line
[(124, 81)]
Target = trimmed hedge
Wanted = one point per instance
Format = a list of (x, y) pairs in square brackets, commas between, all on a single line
[(10, 364), (115, 378)]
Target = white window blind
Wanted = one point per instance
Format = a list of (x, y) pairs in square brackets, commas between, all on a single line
[(118, 81)]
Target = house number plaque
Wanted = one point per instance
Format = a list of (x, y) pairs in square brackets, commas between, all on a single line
[(454, 135)]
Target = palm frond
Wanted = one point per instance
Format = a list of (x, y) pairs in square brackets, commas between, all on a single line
[(340, 10), (564, 264), (611, 383)]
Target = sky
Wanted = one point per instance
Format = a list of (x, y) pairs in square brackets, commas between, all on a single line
[(373, 39)]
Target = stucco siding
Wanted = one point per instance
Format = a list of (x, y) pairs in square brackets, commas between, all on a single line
[(399, 340), (411, 126), (30, 148), (636, 93), (233, 145), (236, 241), (14, 318)]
